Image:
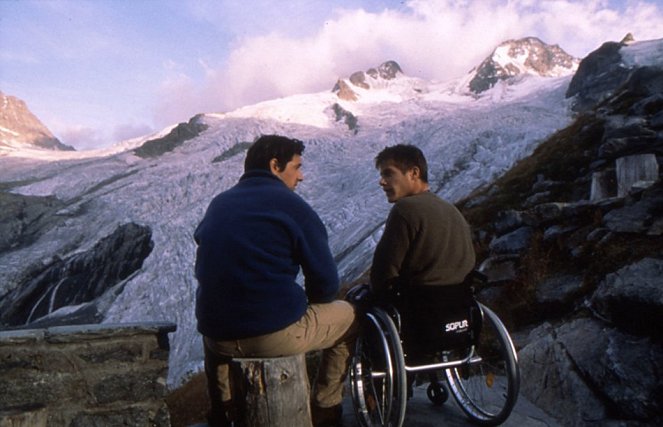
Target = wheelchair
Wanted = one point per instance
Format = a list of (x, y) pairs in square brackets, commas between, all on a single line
[(470, 349)]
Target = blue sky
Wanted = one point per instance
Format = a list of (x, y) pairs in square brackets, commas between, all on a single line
[(99, 71)]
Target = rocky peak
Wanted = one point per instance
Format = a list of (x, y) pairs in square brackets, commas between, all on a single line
[(524, 56), (603, 72), (387, 71), (19, 127), (373, 77)]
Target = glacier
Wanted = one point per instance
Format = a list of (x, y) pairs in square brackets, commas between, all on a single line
[(469, 140)]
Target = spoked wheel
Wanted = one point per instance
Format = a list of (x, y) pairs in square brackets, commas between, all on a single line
[(377, 374), (487, 388)]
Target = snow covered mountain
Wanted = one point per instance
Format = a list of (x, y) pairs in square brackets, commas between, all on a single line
[(19, 128), (107, 236), (516, 58), (389, 75)]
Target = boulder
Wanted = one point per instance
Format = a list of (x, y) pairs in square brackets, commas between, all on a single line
[(641, 215), (548, 213), (586, 374), (552, 382), (632, 297), (508, 220), (628, 128), (616, 147), (556, 231), (559, 290), (499, 267), (622, 369), (513, 242)]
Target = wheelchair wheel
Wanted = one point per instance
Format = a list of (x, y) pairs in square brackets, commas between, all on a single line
[(377, 373), (486, 388), (436, 393)]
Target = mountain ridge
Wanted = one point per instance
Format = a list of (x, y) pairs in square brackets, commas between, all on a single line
[(470, 143), (349, 96)]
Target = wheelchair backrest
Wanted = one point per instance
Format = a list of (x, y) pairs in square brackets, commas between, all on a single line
[(438, 318)]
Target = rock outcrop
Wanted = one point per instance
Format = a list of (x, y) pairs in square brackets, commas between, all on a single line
[(78, 281), (176, 137), (373, 77), (345, 116), (24, 218), (19, 127), (571, 239)]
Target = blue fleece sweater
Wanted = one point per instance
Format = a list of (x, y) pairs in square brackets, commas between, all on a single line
[(251, 243)]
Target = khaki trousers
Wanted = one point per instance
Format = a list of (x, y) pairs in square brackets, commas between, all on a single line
[(329, 327)]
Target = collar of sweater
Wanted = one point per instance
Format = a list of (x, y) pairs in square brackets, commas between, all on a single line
[(260, 173)]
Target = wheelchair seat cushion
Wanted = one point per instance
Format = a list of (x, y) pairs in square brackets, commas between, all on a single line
[(438, 318)]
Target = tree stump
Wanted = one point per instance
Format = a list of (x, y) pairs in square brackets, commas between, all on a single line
[(275, 391)]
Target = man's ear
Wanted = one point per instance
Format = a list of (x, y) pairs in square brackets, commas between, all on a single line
[(416, 173), (274, 166)]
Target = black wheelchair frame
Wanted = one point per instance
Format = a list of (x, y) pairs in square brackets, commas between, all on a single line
[(484, 379)]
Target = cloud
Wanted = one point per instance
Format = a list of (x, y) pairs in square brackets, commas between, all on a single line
[(82, 138), (164, 62), (180, 98), (127, 131), (437, 40), (87, 138)]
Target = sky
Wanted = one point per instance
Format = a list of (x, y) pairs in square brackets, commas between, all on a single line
[(97, 72)]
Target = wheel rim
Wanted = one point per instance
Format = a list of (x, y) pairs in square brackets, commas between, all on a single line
[(486, 389), (377, 375)]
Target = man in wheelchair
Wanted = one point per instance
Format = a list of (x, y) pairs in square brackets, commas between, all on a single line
[(424, 256), (420, 314)]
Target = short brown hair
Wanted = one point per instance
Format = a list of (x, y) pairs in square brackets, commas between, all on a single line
[(404, 157)]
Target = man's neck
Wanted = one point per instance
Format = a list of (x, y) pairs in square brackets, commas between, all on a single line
[(422, 187)]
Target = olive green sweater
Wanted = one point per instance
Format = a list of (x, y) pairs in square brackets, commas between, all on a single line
[(426, 241)]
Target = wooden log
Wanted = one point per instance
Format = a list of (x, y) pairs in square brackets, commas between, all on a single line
[(275, 391)]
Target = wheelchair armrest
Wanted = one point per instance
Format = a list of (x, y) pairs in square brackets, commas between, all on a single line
[(360, 296)]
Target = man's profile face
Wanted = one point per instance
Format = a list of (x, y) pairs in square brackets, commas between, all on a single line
[(292, 174), (397, 184)]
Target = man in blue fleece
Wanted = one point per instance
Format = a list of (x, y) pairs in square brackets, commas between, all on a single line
[(252, 242)]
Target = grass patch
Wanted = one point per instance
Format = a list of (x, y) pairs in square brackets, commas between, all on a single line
[(189, 403)]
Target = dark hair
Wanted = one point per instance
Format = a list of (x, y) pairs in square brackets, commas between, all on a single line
[(268, 147), (404, 157)]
